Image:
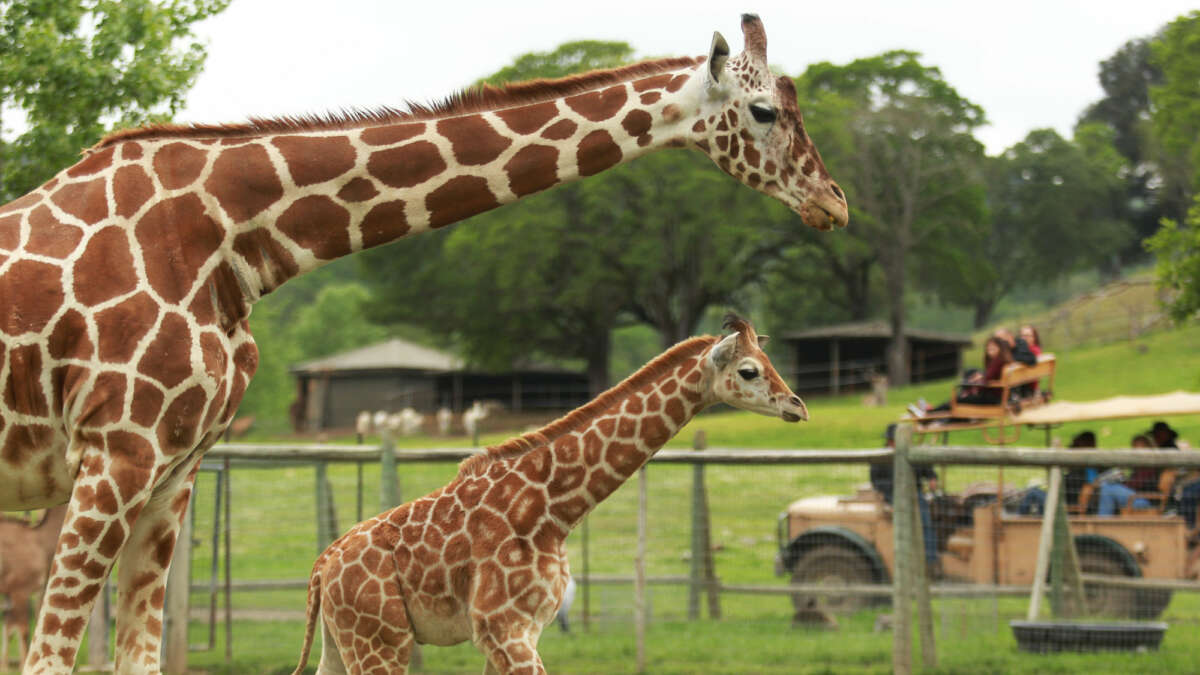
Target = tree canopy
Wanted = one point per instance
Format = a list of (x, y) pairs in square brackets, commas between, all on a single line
[(71, 70), (909, 163)]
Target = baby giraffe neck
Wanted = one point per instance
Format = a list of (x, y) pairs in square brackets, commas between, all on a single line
[(588, 463)]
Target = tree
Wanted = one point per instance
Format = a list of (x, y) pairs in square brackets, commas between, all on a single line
[(72, 69), (908, 162), (1052, 204), (1177, 247), (1126, 78), (1176, 106)]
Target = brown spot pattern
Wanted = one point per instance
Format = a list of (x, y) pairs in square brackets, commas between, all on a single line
[(406, 166), (473, 140), (244, 182), (177, 237), (131, 188), (459, 198), (120, 327), (177, 165), (318, 224), (86, 201), (31, 292), (383, 223), (528, 119), (50, 237), (105, 269), (315, 159), (168, 356), (357, 190), (531, 169), (560, 130), (597, 106), (597, 152), (394, 133)]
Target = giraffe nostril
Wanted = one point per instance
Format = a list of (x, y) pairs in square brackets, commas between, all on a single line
[(837, 191), (796, 401)]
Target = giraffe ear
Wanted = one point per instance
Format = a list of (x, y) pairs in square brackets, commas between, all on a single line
[(718, 54), (762, 340), (722, 354)]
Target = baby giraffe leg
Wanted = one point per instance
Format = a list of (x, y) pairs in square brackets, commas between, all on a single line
[(514, 655), (363, 617)]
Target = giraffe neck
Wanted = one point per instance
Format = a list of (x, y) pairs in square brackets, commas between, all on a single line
[(292, 196), (584, 457)]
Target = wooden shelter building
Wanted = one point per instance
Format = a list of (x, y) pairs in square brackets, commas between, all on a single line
[(397, 374), (843, 358)]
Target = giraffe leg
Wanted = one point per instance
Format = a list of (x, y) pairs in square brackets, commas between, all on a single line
[(92, 535), (142, 573), (365, 626), (515, 655), (331, 658)]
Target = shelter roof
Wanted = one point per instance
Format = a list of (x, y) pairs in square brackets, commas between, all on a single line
[(393, 354)]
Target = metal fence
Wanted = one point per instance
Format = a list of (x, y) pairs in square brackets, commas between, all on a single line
[(787, 542)]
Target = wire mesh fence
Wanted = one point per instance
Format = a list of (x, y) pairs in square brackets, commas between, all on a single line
[(801, 556)]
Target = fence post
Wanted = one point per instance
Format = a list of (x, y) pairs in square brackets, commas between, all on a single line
[(920, 576), (178, 589), (903, 485), (701, 548), (327, 527), (389, 492), (586, 580), (1045, 543), (639, 574)]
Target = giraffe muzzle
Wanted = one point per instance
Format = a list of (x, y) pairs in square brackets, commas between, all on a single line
[(798, 411)]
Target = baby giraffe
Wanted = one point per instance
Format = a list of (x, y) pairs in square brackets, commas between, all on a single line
[(483, 558)]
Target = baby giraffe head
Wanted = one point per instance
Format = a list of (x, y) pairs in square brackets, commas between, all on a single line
[(741, 375)]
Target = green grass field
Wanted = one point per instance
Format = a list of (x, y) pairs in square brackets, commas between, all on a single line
[(274, 537)]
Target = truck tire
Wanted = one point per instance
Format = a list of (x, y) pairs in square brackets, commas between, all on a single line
[(1105, 600), (834, 565), (1133, 603)]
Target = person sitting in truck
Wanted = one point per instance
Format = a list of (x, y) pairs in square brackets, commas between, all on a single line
[(1033, 502), (1116, 494), (883, 480)]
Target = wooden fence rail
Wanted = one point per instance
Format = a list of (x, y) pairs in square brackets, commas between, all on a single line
[(275, 454)]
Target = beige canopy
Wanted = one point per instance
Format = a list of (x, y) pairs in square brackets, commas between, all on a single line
[(1117, 407)]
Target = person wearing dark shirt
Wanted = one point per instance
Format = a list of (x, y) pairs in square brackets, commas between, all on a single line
[(883, 480)]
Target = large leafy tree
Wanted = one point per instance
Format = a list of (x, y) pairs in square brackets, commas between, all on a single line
[(908, 161), (1126, 78), (1176, 106), (70, 70), (1051, 209)]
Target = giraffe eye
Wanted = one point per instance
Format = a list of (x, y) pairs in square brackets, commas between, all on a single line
[(748, 373), (763, 113)]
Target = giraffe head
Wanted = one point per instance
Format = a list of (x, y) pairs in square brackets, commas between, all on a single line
[(750, 125), (742, 376)]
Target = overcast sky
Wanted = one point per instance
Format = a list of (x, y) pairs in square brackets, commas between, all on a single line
[(1028, 64)]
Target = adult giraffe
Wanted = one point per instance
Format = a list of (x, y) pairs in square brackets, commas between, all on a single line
[(126, 280)]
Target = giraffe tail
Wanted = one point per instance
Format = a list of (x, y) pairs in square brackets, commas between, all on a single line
[(312, 610)]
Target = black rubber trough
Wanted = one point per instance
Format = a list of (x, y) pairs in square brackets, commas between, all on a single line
[(1075, 636)]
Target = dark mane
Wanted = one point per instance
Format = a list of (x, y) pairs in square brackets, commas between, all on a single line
[(464, 102), (589, 411)]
